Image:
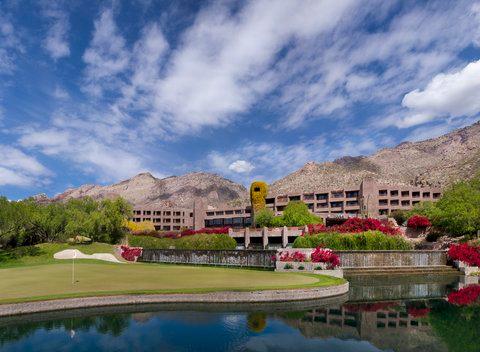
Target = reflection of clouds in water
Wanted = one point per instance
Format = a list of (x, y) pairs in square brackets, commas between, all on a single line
[(233, 321), (296, 342)]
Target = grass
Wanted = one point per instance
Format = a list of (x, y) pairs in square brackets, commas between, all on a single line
[(31, 274), (53, 281), (43, 253)]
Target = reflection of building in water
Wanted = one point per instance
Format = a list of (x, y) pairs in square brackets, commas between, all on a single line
[(387, 328)]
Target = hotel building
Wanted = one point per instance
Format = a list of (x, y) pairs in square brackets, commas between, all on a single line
[(369, 199)]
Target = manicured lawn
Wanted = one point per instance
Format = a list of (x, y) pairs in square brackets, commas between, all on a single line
[(50, 281)]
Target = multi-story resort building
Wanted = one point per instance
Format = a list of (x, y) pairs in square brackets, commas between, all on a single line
[(370, 199)]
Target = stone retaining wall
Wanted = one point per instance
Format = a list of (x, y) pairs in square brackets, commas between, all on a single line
[(213, 297), (263, 258), (240, 258)]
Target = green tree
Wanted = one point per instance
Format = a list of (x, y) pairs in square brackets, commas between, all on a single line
[(296, 213), (264, 218)]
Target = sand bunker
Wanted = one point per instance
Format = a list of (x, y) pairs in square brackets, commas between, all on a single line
[(75, 253)]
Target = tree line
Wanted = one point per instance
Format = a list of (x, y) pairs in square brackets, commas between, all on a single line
[(27, 222)]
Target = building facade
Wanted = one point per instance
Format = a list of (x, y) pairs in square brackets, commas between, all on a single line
[(370, 199)]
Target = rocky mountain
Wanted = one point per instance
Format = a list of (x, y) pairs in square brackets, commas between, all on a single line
[(145, 189), (435, 162)]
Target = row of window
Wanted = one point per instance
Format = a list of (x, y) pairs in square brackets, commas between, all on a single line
[(396, 202), (160, 213), (168, 228), (317, 196), (160, 220), (233, 222), (415, 194), (228, 212)]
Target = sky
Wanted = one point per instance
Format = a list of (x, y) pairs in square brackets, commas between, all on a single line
[(97, 92)]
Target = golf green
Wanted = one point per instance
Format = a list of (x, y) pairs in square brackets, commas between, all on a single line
[(51, 281)]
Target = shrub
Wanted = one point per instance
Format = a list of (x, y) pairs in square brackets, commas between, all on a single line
[(139, 227), (130, 253), (288, 266), (356, 225), (369, 240), (301, 267), (418, 221), (258, 192), (465, 296), (296, 256), (197, 241), (264, 218), (465, 253), (400, 216), (325, 255)]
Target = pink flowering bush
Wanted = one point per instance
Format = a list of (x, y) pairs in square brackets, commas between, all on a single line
[(130, 253), (465, 253), (325, 255), (293, 256), (418, 221), (418, 312), (466, 296), (355, 225)]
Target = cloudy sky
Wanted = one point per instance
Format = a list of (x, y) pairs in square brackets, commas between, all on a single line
[(96, 92)]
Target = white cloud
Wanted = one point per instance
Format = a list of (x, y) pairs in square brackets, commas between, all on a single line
[(453, 94), (10, 44), (241, 167), (56, 41), (106, 56), (60, 93), (20, 169)]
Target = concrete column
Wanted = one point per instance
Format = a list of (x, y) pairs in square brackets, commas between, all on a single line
[(247, 237), (265, 237), (284, 237)]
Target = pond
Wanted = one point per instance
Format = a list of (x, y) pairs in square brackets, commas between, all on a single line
[(379, 314)]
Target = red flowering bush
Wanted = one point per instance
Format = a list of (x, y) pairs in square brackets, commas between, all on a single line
[(325, 255), (356, 225), (465, 296), (465, 253), (293, 256), (418, 221), (130, 253), (418, 312)]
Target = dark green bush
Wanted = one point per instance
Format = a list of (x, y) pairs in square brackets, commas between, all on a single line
[(369, 240), (200, 241), (264, 218), (296, 213)]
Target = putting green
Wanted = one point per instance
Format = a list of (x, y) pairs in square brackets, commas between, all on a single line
[(50, 281)]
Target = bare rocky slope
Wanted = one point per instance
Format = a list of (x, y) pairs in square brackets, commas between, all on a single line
[(434, 162), (145, 189)]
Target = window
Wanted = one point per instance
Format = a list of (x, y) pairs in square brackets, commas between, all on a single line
[(382, 192), (270, 200), (436, 195), (219, 213), (228, 221), (228, 212), (256, 189), (322, 196), (351, 194), (336, 204), (383, 211), (352, 203), (415, 194), (167, 213), (394, 193), (210, 213), (382, 202), (337, 194), (147, 212), (217, 222), (308, 196), (426, 194), (394, 202), (405, 203), (415, 202), (176, 227), (239, 211), (322, 205), (238, 221), (405, 193), (310, 206), (166, 228), (293, 198)]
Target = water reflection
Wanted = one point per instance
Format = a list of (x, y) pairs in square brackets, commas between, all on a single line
[(364, 323)]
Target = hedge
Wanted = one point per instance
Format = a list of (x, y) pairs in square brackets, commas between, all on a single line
[(200, 241), (369, 240)]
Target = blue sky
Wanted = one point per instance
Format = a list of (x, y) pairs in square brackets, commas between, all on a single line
[(96, 92)]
